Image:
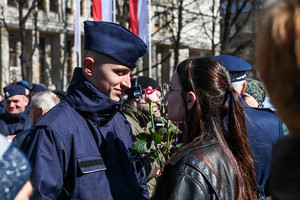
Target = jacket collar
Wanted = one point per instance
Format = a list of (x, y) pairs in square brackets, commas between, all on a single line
[(18, 117), (88, 100)]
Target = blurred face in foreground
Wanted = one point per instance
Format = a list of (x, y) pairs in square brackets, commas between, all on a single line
[(16, 104)]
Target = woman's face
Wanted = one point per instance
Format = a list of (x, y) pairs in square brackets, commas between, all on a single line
[(175, 102)]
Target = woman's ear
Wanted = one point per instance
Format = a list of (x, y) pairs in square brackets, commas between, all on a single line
[(88, 65), (190, 99)]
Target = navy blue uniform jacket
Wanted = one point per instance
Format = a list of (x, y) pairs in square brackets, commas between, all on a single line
[(13, 124), (264, 129), (80, 149)]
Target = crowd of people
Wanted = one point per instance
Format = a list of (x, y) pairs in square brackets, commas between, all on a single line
[(77, 144)]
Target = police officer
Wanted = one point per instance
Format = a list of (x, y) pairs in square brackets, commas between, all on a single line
[(80, 149), (263, 126), (16, 117)]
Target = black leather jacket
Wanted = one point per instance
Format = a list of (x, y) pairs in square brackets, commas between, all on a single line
[(187, 176)]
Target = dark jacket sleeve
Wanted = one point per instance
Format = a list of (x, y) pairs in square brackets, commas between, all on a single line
[(47, 155)]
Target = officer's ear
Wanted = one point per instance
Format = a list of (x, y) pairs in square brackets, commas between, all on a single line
[(88, 65), (244, 87), (26, 99), (41, 111)]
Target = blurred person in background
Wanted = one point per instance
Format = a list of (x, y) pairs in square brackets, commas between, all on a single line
[(26, 85), (278, 58), (254, 94), (15, 171)]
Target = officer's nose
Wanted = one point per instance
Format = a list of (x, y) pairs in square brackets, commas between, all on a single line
[(126, 82)]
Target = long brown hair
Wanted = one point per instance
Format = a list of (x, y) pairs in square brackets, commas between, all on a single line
[(210, 81)]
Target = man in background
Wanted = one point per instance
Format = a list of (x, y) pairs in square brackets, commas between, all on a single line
[(263, 126), (254, 94), (136, 109), (41, 103), (16, 117)]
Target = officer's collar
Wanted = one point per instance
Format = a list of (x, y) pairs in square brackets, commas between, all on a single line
[(88, 100)]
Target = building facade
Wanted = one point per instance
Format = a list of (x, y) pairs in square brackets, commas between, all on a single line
[(48, 44)]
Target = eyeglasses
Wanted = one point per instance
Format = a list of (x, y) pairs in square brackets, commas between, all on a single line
[(166, 90)]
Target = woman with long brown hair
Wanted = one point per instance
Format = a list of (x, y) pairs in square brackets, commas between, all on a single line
[(214, 162)]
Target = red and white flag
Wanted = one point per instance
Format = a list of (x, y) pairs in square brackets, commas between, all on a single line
[(138, 18), (103, 10)]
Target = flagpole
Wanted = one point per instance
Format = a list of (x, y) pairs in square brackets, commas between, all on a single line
[(77, 46), (149, 39), (114, 11)]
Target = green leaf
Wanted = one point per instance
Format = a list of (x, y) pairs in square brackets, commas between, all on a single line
[(153, 155), (140, 147), (144, 136), (172, 128), (179, 145), (163, 130), (157, 137)]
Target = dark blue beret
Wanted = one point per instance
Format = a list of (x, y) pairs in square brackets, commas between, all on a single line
[(12, 90), (37, 88), (114, 41), (236, 66), (24, 84)]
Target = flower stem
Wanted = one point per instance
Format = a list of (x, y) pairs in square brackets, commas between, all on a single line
[(151, 113)]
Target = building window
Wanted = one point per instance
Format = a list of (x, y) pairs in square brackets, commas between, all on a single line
[(14, 3), (69, 60), (164, 19), (156, 19), (68, 6), (11, 2), (41, 4), (81, 8), (54, 5), (12, 51), (42, 48)]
